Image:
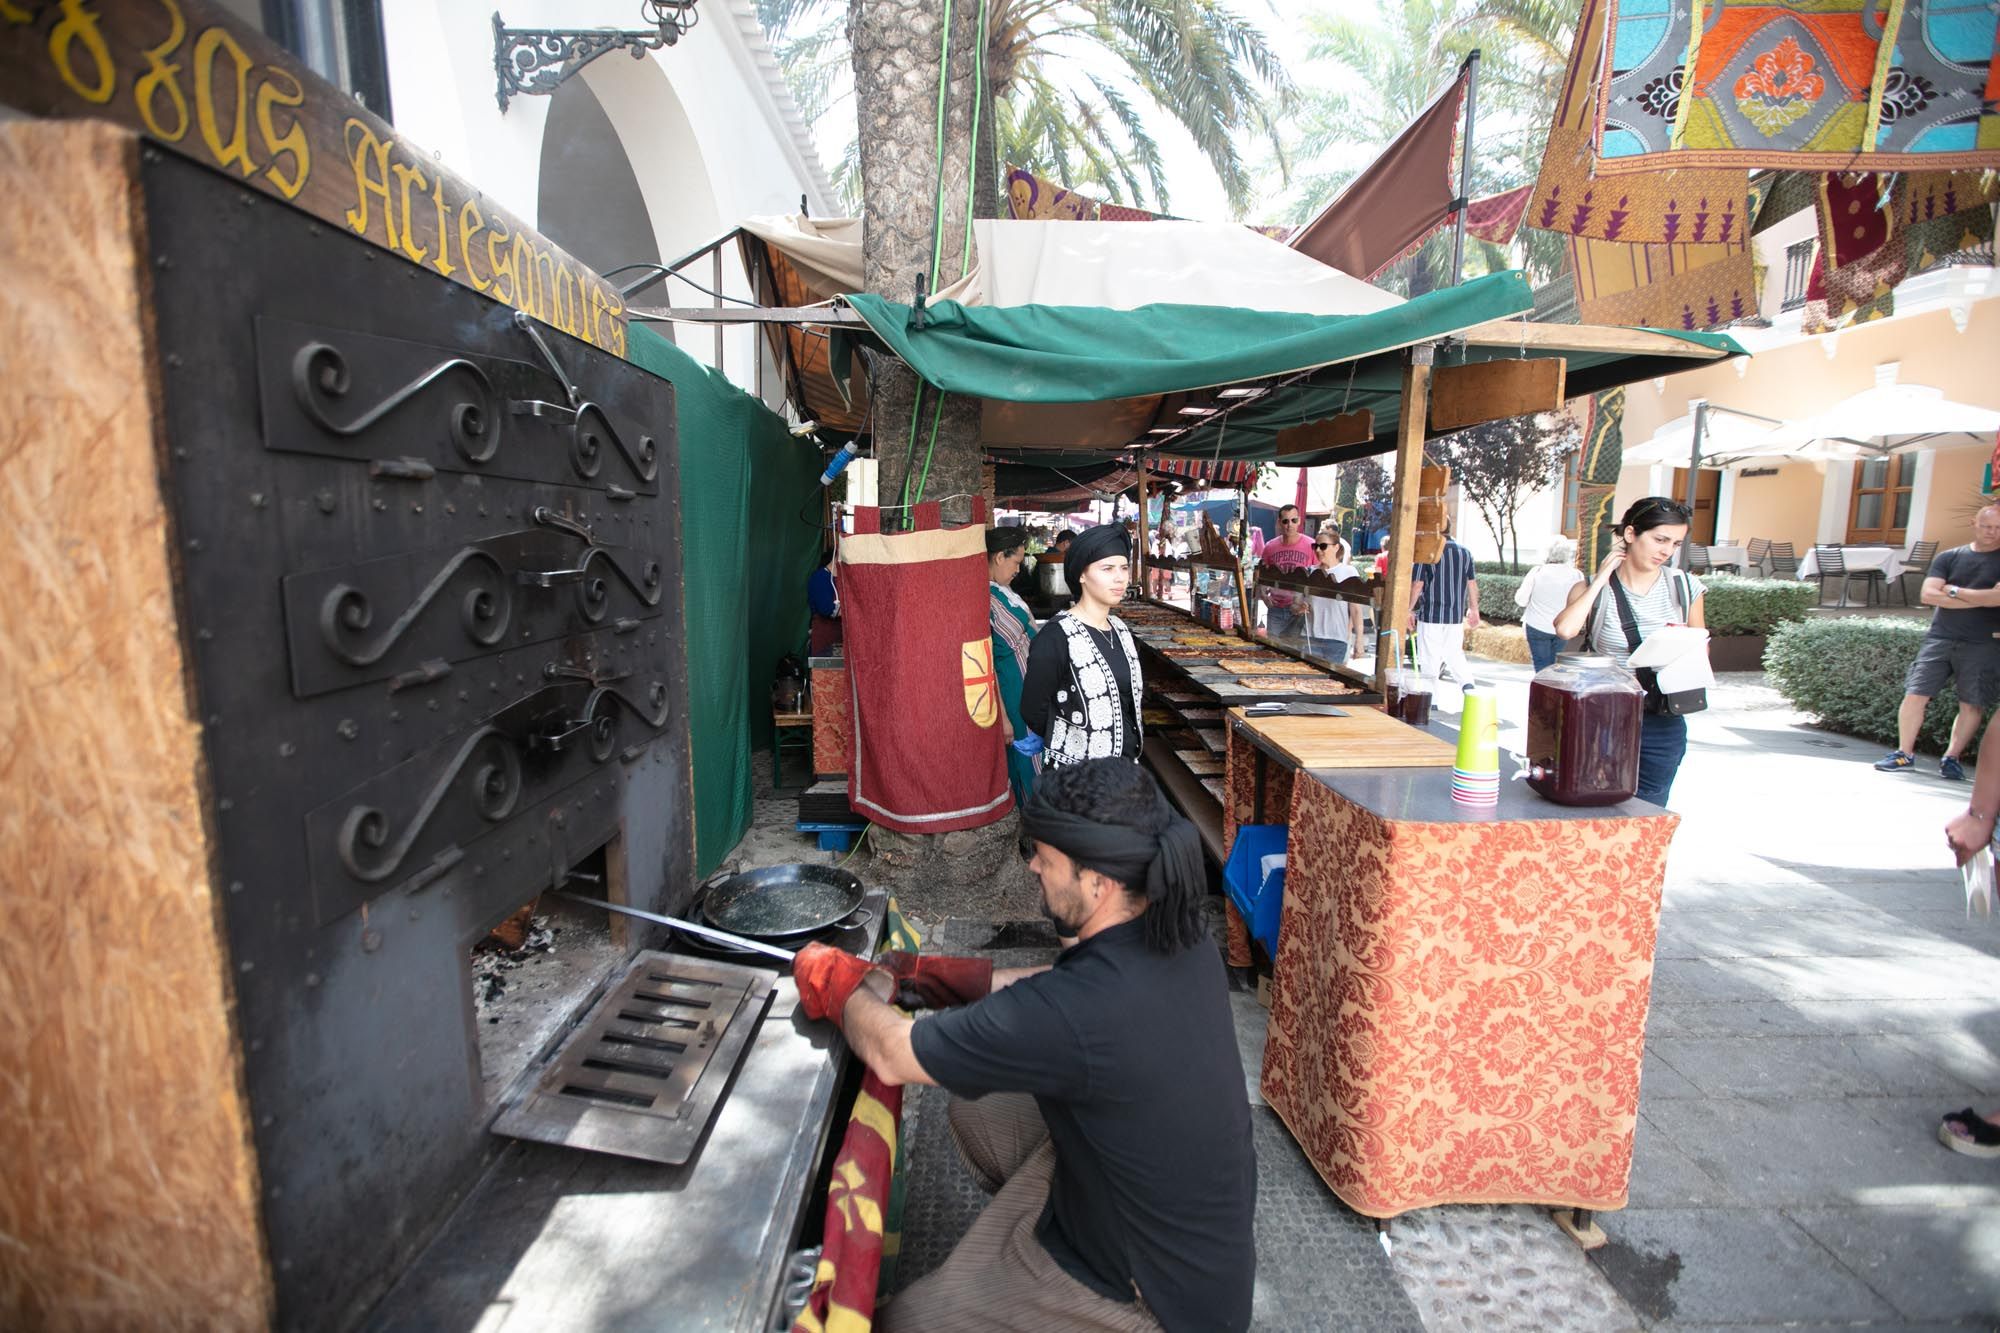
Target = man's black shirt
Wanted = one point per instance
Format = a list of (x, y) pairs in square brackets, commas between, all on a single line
[(1131, 1056)]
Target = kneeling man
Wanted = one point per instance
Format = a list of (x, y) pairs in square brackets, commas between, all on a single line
[(1103, 1098)]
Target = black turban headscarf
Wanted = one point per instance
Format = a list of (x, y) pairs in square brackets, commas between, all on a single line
[(999, 541), (1153, 850), (1091, 546)]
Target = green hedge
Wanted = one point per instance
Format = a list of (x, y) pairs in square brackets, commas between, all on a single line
[(1496, 597), (1496, 567), (1734, 605), (1848, 672)]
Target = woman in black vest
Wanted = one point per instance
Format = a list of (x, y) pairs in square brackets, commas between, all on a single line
[(1082, 690)]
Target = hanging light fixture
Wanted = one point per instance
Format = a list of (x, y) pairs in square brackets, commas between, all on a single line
[(535, 61)]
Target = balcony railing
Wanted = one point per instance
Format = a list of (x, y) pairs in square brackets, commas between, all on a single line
[(1798, 272)]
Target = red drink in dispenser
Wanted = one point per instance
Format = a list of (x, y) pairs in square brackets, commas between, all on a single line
[(1583, 731)]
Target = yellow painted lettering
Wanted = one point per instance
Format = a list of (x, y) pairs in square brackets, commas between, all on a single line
[(501, 260), (527, 282), (365, 150), (405, 176), (233, 151), (292, 142), (545, 288), (160, 76), (470, 223), (568, 314), (443, 264), (77, 28), (13, 14)]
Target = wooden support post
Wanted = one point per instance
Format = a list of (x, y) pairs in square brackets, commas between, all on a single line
[(1246, 616), (1403, 517), (1145, 537)]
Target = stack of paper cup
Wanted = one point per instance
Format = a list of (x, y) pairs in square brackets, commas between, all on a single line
[(1475, 775)]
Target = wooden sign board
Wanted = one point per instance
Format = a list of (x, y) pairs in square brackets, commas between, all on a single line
[(1432, 483), (1313, 436), (195, 80), (1468, 395)]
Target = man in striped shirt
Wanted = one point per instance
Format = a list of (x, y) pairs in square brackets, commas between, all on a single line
[(1446, 600)]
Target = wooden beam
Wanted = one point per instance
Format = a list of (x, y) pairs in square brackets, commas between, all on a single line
[(1484, 391), (1585, 338), (1403, 515), (748, 314), (202, 83)]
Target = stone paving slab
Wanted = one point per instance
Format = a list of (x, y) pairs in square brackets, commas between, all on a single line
[(1977, 1018), (1723, 1265), (1780, 1067), (1665, 1177), (1929, 1263), (1851, 933)]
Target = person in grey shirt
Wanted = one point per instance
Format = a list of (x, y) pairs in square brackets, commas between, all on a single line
[(1964, 585)]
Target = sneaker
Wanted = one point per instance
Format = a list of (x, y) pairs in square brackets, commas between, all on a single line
[(1951, 770), (1895, 762)]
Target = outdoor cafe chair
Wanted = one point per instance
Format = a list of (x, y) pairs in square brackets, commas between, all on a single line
[(1784, 561), (1917, 566), (1759, 553), (1698, 562), (1833, 565)]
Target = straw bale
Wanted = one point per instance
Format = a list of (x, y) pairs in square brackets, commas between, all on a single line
[(129, 1199)]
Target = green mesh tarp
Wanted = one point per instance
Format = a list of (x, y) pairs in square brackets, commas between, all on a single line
[(745, 482)]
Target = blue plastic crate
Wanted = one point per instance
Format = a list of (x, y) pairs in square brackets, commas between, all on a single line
[(1257, 896), (833, 837)]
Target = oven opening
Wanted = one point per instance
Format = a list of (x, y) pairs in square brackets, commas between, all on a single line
[(537, 965)]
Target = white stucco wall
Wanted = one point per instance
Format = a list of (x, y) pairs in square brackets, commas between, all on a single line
[(710, 134)]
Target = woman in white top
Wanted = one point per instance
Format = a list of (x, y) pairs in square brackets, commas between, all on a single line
[(1542, 596), (1641, 560), (1333, 626)]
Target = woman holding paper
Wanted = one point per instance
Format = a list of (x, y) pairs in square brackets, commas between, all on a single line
[(1637, 586)]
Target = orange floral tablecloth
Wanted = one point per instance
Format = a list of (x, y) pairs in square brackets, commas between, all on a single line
[(830, 706), (1459, 1009)]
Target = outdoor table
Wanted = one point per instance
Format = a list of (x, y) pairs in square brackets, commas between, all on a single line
[(1460, 994), (1731, 556), (1860, 559)]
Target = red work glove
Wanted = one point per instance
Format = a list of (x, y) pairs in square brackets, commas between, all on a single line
[(826, 976), (938, 982)]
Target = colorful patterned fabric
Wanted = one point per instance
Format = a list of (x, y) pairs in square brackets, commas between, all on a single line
[(1684, 287), (1643, 208), (1459, 1008), (1875, 230), (1494, 218), (1031, 197), (829, 692), (1813, 84)]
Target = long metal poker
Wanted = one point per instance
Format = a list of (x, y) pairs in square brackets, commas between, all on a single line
[(707, 932)]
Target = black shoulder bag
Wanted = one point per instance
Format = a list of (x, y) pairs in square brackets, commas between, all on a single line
[(1681, 702)]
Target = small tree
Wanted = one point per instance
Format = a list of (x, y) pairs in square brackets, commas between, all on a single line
[(1499, 464)]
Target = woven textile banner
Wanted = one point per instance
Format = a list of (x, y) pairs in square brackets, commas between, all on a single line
[(858, 1227), (1655, 207), (1827, 85), (926, 750), (1685, 287)]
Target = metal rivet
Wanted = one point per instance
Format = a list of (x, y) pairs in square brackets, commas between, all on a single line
[(286, 749), (256, 1043), (194, 544), (277, 1191), (215, 719), (312, 979), (477, 871), (561, 820), (246, 966), (371, 940), (313, 230), (180, 452), (506, 855), (236, 886), (368, 255), (267, 1122), (348, 729), (482, 511), (204, 634), (225, 804), (416, 508), (381, 503), (173, 360), (450, 508), (257, 500), (464, 695), (249, 199), (284, 1265), (164, 262), (415, 915), (326, 502), (445, 891), (395, 715), (431, 704)]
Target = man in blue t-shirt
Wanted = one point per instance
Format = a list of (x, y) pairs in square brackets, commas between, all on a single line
[(1964, 585), (1102, 1098)]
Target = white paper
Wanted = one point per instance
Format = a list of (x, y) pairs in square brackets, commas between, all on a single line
[(1275, 862), (1668, 644), (1978, 874), (1690, 671)]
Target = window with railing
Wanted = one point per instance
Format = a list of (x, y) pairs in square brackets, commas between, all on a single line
[(1798, 272)]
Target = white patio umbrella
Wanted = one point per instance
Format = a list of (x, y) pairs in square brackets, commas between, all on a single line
[(1887, 419), (1725, 433)]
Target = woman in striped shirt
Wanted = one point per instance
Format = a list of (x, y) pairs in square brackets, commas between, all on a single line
[(1641, 559)]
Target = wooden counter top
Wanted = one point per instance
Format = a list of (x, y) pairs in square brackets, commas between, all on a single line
[(1362, 737)]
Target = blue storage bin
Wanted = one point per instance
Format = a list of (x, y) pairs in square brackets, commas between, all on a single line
[(1257, 896)]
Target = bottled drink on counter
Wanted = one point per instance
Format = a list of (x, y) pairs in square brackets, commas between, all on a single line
[(1415, 706), (1392, 691), (1583, 731)]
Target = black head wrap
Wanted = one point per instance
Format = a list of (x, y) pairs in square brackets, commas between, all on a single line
[(999, 541), (1091, 546), (1152, 850)]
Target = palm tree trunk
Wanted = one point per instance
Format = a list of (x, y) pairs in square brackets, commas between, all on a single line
[(897, 45)]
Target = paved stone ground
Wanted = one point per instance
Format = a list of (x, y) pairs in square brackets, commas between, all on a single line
[(1819, 1000)]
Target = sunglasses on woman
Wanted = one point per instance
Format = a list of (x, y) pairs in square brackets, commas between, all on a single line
[(1324, 546)]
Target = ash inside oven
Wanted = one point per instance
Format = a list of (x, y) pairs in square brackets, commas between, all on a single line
[(531, 974)]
